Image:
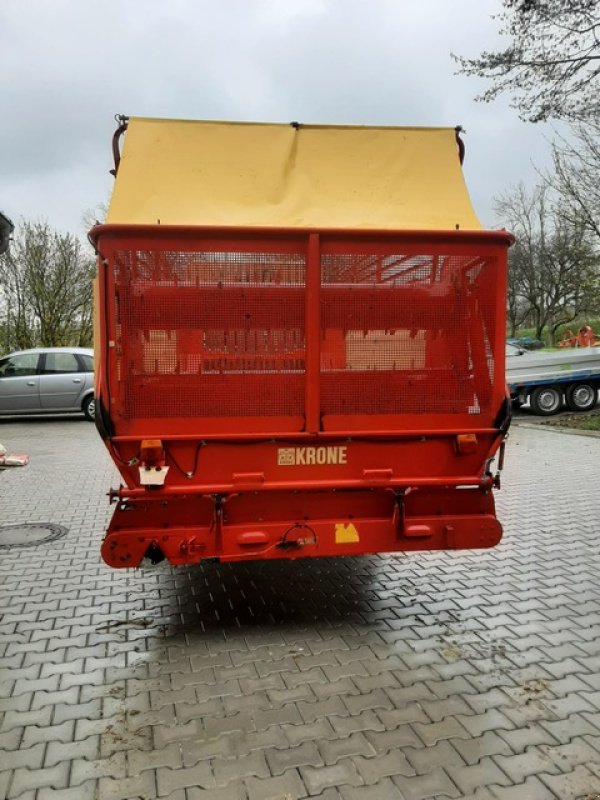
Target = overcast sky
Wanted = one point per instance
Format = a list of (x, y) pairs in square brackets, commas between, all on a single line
[(68, 66)]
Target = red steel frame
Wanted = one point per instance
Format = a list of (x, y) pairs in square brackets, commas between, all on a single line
[(407, 481)]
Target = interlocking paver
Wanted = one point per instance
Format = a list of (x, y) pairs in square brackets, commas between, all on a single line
[(252, 764), (329, 794), (168, 780), (409, 712), (384, 790), (489, 744), (287, 785), (57, 751), (83, 770), (443, 754), (333, 707), (484, 773), (317, 731), (531, 789), (433, 732), (10, 741), (244, 742), (365, 721), (461, 674), (234, 791), (143, 785), (140, 760), (383, 741), (578, 783), (521, 738), (20, 702), (24, 719), (491, 720), (372, 770), (316, 779), (434, 783), (376, 698), (304, 755), (84, 791), (356, 744), (563, 730), (25, 779), (31, 758)]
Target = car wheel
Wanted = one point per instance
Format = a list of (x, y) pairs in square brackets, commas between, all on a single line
[(546, 400), (581, 396), (89, 408)]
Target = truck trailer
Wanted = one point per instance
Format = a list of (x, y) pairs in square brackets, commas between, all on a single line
[(549, 381), (299, 343)]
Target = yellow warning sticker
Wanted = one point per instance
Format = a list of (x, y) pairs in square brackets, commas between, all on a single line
[(345, 533)]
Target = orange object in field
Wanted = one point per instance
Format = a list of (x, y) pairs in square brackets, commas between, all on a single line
[(585, 336), (568, 339), (272, 387)]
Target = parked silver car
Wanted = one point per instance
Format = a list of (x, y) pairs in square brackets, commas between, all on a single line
[(47, 380)]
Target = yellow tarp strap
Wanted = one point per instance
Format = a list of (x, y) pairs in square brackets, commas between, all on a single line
[(246, 174)]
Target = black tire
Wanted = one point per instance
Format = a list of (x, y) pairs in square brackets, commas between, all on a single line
[(546, 400), (89, 408), (581, 396)]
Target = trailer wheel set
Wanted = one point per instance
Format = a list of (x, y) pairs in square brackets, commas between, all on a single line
[(548, 400), (552, 381)]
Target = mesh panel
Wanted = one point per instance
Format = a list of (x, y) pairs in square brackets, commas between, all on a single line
[(222, 334), (210, 333), (406, 334)]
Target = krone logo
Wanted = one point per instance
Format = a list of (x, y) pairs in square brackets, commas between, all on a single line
[(305, 456)]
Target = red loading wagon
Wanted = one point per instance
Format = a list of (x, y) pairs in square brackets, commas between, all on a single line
[(300, 344)]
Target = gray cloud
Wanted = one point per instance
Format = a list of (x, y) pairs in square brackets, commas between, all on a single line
[(68, 66)]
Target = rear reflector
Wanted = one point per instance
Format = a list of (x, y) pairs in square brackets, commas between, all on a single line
[(466, 443)]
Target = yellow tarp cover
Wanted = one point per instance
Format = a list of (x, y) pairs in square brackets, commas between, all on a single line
[(248, 174)]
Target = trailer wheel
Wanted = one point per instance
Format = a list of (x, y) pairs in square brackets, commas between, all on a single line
[(581, 396), (545, 401)]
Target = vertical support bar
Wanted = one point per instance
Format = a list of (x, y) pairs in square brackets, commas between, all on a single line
[(108, 328), (312, 399), (100, 338), (499, 265)]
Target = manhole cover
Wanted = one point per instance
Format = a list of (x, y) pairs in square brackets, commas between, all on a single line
[(29, 535)]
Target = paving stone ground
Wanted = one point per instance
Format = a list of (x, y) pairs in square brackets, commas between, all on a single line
[(449, 675)]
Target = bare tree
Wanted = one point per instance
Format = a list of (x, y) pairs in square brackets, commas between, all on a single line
[(517, 306), (95, 215), (553, 267), (576, 177), (45, 289), (552, 63)]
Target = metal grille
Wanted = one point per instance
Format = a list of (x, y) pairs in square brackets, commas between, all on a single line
[(210, 334), (406, 333)]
